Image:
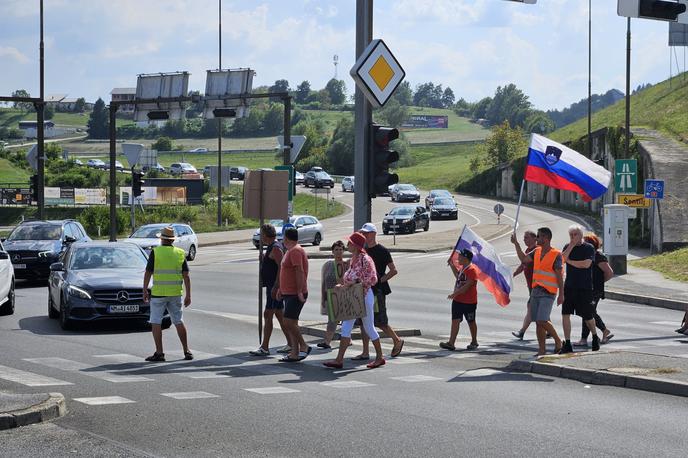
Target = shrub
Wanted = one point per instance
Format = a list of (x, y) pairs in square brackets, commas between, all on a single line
[(97, 217)]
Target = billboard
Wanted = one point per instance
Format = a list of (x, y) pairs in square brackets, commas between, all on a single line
[(219, 83), (678, 34), (15, 196), (426, 122), (90, 196), (58, 196), (161, 85), (155, 195)]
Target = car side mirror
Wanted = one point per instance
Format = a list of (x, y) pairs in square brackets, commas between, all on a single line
[(57, 267), (299, 225), (69, 239)]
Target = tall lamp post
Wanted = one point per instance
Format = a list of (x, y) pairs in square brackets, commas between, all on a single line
[(590, 78), (219, 120)]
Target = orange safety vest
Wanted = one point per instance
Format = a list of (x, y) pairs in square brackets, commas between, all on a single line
[(543, 270)]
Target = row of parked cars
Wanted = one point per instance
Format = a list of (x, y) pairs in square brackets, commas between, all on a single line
[(87, 280)]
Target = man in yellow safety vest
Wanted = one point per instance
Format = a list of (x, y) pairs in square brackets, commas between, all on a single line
[(167, 265)]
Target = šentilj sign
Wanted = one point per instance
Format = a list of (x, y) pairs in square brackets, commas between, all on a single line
[(633, 200)]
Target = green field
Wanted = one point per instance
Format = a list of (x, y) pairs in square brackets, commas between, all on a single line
[(9, 117), (438, 166), (663, 107), (9, 173), (673, 264)]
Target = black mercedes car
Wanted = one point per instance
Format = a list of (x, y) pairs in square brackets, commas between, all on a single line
[(444, 207), (98, 281), (34, 245), (406, 218), (318, 179)]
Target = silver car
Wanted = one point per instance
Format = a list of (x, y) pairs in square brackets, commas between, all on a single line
[(310, 229), (348, 184), (146, 237), (6, 283), (405, 193)]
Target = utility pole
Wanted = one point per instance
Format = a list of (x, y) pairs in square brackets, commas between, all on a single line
[(627, 143), (112, 112), (363, 120), (589, 78), (40, 128), (219, 120)]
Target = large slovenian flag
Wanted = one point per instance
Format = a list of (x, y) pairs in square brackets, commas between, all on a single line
[(492, 272), (560, 167)]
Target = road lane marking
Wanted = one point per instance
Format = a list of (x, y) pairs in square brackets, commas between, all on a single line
[(86, 369), (417, 378), (347, 384), (272, 390), (28, 378), (123, 358), (481, 373), (190, 395), (104, 400)]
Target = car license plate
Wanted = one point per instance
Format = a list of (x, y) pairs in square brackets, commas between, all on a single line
[(123, 308), (394, 226), (19, 266)]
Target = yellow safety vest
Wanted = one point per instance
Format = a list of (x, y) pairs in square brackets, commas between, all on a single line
[(167, 271), (543, 270)]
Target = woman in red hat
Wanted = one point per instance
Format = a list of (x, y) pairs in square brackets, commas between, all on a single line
[(361, 270)]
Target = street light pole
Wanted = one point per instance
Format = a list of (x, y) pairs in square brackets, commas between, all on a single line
[(40, 127), (627, 142), (219, 120), (590, 78)]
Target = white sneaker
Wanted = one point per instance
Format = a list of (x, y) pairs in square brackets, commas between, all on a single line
[(260, 352)]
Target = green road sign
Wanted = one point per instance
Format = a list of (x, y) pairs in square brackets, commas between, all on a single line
[(626, 176), (290, 169)]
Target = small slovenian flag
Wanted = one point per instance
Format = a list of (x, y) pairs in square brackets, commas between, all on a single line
[(560, 167), (492, 272)]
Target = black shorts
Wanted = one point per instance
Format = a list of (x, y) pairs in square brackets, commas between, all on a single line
[(270, 303), (578, 301), (460, 310), (380, 317), (293, 306)]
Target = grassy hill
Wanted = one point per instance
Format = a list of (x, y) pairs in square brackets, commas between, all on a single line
[(10, 117), (663, 107), (438, 166), (459, 129)]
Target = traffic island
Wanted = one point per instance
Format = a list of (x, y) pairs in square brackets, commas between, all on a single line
[(640, 371), (318, 329), (24, 409)]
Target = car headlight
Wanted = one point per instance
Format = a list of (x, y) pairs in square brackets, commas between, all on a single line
[(45, 254), (78, 292), (408, 220)]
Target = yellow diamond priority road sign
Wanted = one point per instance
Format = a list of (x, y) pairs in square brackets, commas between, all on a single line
[(377, 73)]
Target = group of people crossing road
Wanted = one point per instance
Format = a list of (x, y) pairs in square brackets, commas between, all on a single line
[(573, 277)]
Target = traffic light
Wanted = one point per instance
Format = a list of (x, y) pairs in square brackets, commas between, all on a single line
[(136, 183), (33, 186), (381, 157), (663, 10)]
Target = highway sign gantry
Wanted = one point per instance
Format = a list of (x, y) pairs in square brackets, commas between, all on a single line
[(377, 73)]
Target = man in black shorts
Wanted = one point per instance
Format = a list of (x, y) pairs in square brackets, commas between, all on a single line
[(579, 256), (383, 261)]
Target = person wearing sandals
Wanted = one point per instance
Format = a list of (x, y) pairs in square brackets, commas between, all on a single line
[(332, 273), (169, 270), (530, 240), (361, 269), (384, 265), (601, 273), (293, 288), (464, 300), (270, 275), (684, 325)]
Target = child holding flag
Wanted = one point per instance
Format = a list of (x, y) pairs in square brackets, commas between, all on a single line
[(464, 299)]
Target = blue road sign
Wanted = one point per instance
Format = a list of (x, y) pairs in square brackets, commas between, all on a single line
[(654, 189)]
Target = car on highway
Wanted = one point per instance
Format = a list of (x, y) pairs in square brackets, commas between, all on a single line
[(310, 229), (348, 184), (238, 173), (77, 162), (34, 245), (298, 177), (146, 237), (180, 168), (98, 281), (444, 207), (318, 179), (157, 167), (199, 150), (118, 166), (405, 193), (436, 193), (95, 164), (406, 218), (6, 283)]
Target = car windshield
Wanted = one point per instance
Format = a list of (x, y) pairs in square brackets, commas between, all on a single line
[(322, 175), (147, 232), (443, 201), (280, 223), (36, 232), (440, 192), (406, 187), (402, 211), (108, 257)]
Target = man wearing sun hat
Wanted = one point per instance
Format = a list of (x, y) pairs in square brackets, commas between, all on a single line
[(167, 265), (384, 264)]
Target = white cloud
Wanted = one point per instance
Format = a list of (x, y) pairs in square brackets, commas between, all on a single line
[(13, 54)]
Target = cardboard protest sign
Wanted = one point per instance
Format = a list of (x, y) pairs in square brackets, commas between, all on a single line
[(346, 303)]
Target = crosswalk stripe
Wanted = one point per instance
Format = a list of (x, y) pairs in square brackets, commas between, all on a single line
[(123, 358), (416, 378), (347, 384), (481, 373), (104, 400), (272, 390), (28, 378), (190, 395), (86, 369)]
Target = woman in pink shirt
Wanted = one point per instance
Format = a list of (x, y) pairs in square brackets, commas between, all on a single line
[(361, 270)]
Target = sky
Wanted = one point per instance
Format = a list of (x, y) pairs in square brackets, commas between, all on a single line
[(472, 46)]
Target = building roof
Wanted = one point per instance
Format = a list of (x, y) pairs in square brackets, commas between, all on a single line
[(55, 97), (69, 100), (123, 90)]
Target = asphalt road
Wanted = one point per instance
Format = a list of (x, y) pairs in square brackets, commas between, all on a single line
[(429, 401)]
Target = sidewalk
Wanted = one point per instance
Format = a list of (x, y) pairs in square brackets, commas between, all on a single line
[(644, 286), (640, 371), (25, 409)]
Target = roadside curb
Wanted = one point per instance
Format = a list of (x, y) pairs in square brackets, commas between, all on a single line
[(602, 377), (52, 407), (646, 300), (223, 242)]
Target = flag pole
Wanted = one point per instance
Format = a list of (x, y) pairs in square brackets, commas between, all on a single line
[(518, 209)]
